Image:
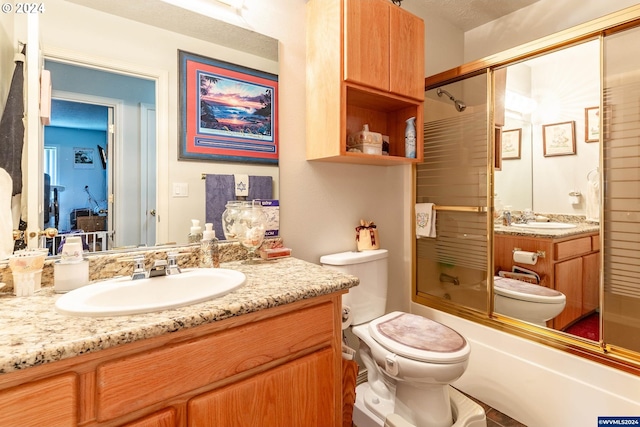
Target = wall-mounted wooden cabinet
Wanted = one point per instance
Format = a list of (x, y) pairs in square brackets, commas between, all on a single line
[(365, 65)]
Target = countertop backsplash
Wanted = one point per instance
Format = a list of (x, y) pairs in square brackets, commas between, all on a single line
[(105, 265)]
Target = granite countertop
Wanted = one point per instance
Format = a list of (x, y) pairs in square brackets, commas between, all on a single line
[(34, 333), (514, 230)]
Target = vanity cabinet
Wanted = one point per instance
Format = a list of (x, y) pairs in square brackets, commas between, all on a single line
[(266, 368), (365, 65), (570, 265)]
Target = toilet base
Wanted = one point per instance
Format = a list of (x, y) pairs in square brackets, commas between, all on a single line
[(466, 413)]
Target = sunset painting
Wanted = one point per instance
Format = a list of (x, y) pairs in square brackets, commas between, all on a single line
[(227, 112), (233, 107)]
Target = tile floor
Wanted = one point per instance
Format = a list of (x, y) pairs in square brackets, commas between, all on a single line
[(496, 418)]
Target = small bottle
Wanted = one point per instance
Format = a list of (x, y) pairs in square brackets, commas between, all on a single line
[(506, 216), (210, 257), (410, 138), (195, 234)]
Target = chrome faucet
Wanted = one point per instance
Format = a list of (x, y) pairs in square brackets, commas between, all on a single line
[(172, 266), (450, 279), (139, 271), (160, 267)]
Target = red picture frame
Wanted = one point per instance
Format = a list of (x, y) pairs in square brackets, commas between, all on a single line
[(227, 112)]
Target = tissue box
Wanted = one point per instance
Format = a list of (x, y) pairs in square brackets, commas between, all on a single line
[(365, 142), (271, 209)]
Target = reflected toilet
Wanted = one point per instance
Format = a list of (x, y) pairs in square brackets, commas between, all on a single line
[(410, 360), (526, 301)]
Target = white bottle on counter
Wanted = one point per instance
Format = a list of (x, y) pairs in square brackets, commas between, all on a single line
[(195, 233), (210, 254)]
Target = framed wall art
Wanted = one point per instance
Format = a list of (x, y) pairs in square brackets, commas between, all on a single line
[(511, 143), (227, 112), (83, 158), (592, 124), (559, 139)]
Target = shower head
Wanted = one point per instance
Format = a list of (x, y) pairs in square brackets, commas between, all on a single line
[(460, 106)]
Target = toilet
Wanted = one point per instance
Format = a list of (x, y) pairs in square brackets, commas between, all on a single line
[(526, 301), (410, 360)]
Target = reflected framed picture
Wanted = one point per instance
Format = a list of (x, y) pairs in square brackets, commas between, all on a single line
[(592, 124), (511, 143), (227, 112), (559, 139), (83, 158)]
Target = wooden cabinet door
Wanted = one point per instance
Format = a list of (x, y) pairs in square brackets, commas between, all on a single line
[(299, 393), (50, 402), (406, 54), (590, 282), (163, 418), (366, 43), (568, 280)]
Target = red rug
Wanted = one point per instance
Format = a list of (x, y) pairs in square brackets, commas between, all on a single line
[(588, 328)]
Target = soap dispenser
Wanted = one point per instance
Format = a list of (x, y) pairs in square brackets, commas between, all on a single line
[(195, 234), (210, 255)]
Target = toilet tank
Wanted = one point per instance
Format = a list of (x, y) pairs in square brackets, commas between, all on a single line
[(368, 300)]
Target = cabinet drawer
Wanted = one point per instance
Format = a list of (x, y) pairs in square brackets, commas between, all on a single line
[(571, 248), (595, 243), (135, 382), (50, 402)]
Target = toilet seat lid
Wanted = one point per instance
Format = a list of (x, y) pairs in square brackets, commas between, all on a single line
[(418, 338), (523, 291)]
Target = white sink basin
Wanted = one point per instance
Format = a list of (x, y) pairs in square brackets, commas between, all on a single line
[(123, 296), (546, 225)]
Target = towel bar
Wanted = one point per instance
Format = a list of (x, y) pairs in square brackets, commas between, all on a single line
[(477, 209)]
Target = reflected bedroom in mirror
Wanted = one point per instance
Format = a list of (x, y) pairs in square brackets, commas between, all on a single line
[(87, 160)]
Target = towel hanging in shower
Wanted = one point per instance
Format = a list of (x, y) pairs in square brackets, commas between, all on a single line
[(425, 220)]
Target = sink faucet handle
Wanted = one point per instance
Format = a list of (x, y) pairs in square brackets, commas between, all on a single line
[(172, 260), (139, 271)]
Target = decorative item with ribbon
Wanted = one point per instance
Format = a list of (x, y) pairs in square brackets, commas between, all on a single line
[(367, 236)]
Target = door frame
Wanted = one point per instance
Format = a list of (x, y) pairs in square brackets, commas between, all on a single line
[(161, 79)]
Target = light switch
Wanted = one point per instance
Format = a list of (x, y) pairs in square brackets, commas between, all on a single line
[(180, 189)]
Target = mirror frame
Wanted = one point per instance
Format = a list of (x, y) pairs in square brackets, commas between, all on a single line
[(600, 352)]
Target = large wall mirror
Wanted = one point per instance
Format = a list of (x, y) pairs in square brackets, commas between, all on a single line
[(546, 220), (120, 60)]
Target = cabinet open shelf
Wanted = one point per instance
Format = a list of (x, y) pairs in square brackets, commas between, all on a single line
[(386, 114)]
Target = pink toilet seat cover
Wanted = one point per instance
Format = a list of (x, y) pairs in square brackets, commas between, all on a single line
[(419, 338)]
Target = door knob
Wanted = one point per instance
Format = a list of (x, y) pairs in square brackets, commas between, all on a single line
[(152, 212)]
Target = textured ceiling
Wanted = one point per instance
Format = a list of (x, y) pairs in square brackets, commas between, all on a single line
[(469, 14)]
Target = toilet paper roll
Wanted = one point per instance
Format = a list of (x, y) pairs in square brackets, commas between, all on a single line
[(524, 257), (574, 200), (347, 317)]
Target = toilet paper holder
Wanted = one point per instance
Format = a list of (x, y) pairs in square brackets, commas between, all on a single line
[(540, 254)]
